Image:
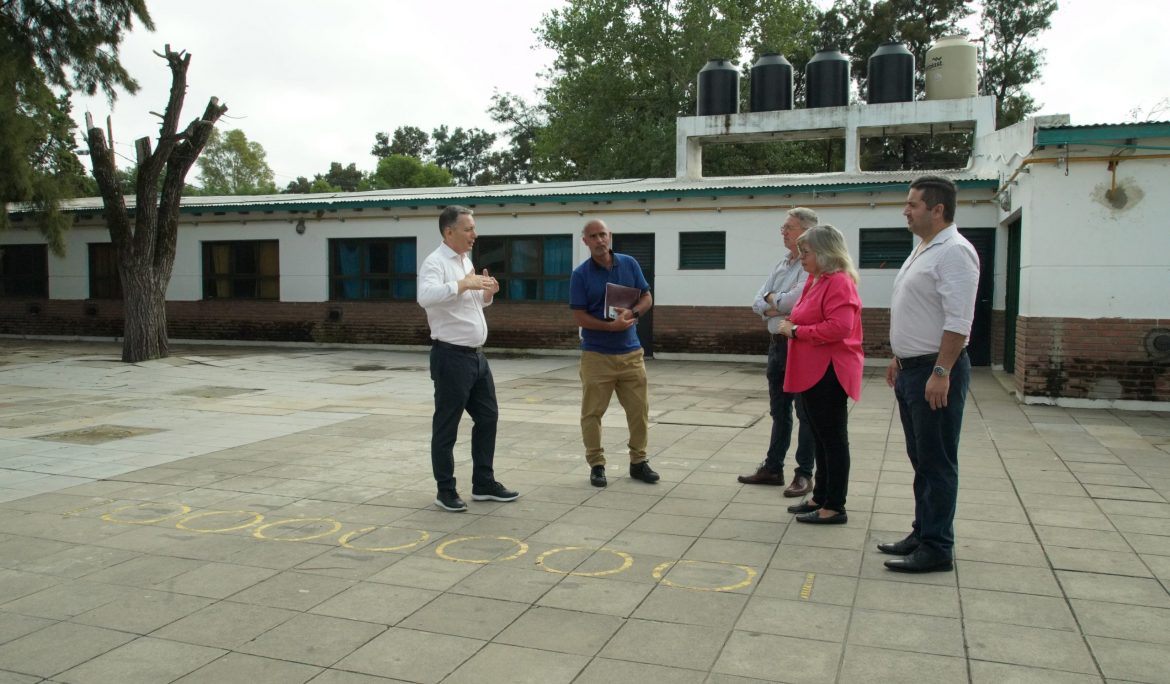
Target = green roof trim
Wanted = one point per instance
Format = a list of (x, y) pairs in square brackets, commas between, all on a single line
[(387, 202), (1069, 135)]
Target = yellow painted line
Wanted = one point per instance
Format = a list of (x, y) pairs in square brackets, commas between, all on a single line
[(660, 575), (180, 509), (348, 537), (75, 511), (627, 561), (807, 587), (333, 524), (441, 551), (183, 524)]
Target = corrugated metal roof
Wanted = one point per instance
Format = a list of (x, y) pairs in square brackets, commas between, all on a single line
[(544, 193), (1105, 125)]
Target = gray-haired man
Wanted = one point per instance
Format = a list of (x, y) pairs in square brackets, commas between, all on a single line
[(773, 303)]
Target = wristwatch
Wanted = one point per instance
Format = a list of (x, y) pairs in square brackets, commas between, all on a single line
[(794, 332), (942, 372)]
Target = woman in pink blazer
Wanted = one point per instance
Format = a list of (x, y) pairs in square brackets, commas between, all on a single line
[(825, 364)]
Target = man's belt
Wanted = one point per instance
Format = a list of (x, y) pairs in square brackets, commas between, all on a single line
[(456, 347), (920, 361)]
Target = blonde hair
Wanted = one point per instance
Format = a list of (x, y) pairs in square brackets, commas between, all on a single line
[(828, 244)]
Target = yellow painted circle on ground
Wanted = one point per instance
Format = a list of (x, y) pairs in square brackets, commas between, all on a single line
[(180, 509), (627, 561), (660, 575), (441, 551), (345, 540), (182, 524), (259, 531)]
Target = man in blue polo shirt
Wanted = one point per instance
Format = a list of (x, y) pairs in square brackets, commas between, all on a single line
[(611, 355)]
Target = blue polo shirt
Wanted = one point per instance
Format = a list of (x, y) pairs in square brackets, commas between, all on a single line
[(587, 293)]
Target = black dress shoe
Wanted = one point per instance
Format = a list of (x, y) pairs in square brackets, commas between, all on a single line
[(597, 476), (763, 476), (901, 548), (642, 471), (804, 507), (815, 518), (921, 560), (448, 500)]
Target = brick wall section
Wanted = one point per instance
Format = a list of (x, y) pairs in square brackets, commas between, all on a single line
[(998, 323), (1090, 359), (523, 325)]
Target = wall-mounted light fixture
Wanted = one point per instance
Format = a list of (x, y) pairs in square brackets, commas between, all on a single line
[(301, 227)]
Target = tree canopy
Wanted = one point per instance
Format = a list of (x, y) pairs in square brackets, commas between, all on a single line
[(233, 165), (49, 48)]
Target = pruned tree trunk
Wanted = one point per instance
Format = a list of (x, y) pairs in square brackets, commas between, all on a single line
[(146, 249)]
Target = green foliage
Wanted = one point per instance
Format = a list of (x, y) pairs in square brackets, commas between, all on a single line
[(1011, 62), (47, 45), (403, 171), (408, 140), (233, 165), (466, 154), (524, 122)]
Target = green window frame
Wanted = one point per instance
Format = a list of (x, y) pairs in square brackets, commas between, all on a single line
[(884, 247)]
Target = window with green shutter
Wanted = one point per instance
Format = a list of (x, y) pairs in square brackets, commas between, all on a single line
[(702, 251), (884, 247)]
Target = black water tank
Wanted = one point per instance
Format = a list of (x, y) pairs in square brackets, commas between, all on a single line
[(891, 75), (771, 87), (718, 88), (827, 79)]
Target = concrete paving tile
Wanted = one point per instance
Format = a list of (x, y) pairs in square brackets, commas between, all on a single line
[(424, 572), (791, 585), (292, 590), (905, 597), (1132, 660), (596, 595), (1155, 544), (348, 564), (1071, 537), (1028, 646), (994, 531), (67, 599), (906, 632), (255, 670), (1080, 503), (1113, 588), (78, 561), (375, 603), (1014, 578), (659, 523), (342, 677), (766, 656), (499, 662), (711, 609), (873, 568), (215, 580), (142, 611), (795, 618), (1081, 520), (466, 616), (663, 643), (143, 570), (662, 545), (1000, 552), (15, 584), (562, 631), (313, 639), (689, 507), (1120, 621), (830, 561), (57, 648), (731, 551), (863, 664), (1027, 610), (411, 655), (606, 671), (144, 660), (224, 625), (1095, 560), (1002, 673), (1141, 524), (1142, 508), (507, 583), (13, 626)]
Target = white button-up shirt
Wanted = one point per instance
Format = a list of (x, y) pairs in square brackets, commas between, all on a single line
[(786, 282), (934, 291), (454, 318)]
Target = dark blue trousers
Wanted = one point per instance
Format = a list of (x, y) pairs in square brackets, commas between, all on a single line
[(463, 382), (780, 405), (932, 442)]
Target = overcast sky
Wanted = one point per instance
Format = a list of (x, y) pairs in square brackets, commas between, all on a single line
[(313, 81)]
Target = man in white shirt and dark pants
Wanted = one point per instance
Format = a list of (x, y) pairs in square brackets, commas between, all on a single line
[(931, 313), (454, 297)]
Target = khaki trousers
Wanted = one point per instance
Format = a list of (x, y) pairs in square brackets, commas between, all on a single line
[(601, 375)]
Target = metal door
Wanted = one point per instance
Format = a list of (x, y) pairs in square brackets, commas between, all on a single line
[(641, 247)]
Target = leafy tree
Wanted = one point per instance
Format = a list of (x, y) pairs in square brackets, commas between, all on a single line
[(404, 171), (408, 140), (466, 154), (1011, 62), (146, 247), (301, 185), (47, 45), (625, 69), (524, 122), (233, 165), (342, 178)]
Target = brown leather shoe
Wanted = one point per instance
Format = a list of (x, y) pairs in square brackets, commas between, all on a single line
[(763, 476), (800, 486)]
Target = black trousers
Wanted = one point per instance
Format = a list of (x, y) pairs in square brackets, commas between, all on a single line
[(827, 410), (463, 382)]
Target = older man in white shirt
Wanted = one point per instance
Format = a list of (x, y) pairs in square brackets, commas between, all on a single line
[(454, 297)]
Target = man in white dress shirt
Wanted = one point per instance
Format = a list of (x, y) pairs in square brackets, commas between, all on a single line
[(454, 297)]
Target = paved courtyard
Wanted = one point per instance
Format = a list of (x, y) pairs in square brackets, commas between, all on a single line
[(245, 514)]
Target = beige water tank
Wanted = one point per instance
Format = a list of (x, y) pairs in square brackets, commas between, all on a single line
[(952, 69)]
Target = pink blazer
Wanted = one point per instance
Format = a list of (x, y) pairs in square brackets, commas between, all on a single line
[(828, 316)]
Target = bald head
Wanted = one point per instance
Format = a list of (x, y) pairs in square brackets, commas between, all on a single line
[(594, 224), (596, 237)]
